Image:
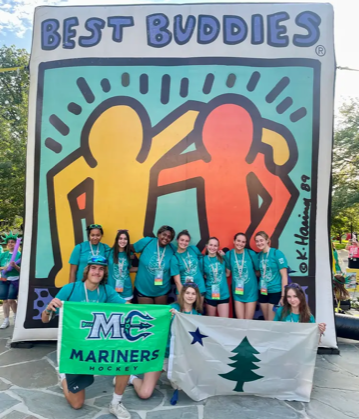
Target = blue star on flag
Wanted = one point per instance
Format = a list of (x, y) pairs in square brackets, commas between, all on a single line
[(197, 337)]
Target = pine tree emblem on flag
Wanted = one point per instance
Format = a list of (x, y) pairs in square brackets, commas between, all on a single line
[(243, 365)]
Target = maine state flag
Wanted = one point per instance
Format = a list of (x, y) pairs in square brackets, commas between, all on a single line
[(213, 356)]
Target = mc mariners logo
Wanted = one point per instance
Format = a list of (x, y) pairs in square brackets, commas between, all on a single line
[(118, 326)]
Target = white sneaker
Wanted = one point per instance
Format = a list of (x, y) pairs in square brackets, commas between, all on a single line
[(60, 378), (119, 411), (6, 323)]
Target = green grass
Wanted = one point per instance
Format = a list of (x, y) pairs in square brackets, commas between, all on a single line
[(339, 246)]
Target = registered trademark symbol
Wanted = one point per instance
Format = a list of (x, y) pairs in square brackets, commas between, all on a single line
[(320, 50)]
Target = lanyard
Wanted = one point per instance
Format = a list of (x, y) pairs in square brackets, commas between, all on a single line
[(240, 270), (120, 265), (214, 269), (159, 256), (87, 297), (97, 251), (265, 264), (188, 267)]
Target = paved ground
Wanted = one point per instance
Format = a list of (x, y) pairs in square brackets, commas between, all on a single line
[(28, 390)]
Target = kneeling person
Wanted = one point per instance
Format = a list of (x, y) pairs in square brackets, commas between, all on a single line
[(92, 289)]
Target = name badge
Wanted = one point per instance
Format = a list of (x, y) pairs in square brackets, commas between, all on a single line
[(119, 285), (189, 279), (263, 286), (239, 286), (215, 292), (159, 277)]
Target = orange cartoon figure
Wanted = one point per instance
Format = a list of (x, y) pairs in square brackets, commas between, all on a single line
[(240, 157), (118, 148)]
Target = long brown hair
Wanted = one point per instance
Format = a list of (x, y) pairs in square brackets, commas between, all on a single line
[(127, 248), (304, 310), (219, 257), (103, 280), (341, 294), (197, 304)]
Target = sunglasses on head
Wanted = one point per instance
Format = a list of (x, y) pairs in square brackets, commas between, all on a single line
[(190, 284), (169, 228), (100, 260), (294, 285), (95, 226)]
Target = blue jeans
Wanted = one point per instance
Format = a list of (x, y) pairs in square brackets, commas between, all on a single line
[(9, 290)]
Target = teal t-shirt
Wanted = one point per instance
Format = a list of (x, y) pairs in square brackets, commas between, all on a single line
[(120, 272), (77, 292), (271, 264), (290, 317), (5, 258), (248, 279), (189, 266), (216, 279), (149, 269), (176, 306), (82, 253)]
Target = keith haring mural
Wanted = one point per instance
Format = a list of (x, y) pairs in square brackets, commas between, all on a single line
[(164, 117)]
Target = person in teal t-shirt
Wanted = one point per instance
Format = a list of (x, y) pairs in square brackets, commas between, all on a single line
[(189, 302), (9, 283), (274, 275), (83, 251), (92, 288), (186, 264), (243, 264), (214, 269), (119, 265), (295, 307), (153, 278)]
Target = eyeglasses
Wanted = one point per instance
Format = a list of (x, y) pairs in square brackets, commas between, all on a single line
[(95, 226)]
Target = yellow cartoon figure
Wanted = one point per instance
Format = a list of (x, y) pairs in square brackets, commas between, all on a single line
[(119, 147)]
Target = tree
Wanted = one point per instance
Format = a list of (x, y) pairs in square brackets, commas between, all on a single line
[(243, 365), (14, 88), (345, 221)]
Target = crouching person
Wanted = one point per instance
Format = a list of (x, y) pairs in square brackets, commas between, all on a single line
[(93, 289)]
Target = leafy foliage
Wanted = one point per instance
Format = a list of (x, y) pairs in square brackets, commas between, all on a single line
[(14, 87)]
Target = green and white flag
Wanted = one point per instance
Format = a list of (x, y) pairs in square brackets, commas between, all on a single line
[(213, 356), (112, 339)]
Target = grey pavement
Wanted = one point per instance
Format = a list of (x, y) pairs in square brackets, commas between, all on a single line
[(28, 390)]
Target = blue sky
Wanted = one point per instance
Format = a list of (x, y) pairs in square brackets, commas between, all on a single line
[(16, 22)]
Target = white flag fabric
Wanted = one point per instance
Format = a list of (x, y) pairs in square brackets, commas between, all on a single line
[(213, 356)]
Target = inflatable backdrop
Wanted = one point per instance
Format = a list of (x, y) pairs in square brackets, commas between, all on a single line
[(216, 118)]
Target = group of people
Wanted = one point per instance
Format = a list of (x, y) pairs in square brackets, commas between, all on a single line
[(102, 274), (161, 260)]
